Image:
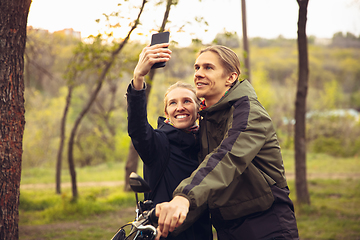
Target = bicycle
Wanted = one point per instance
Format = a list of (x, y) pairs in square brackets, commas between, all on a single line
[(143, 227)]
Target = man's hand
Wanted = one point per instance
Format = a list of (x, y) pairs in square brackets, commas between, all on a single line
[(171, 215), (148, 57)]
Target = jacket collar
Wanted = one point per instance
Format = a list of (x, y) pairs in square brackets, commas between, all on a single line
[(177, 135), (240, 89)]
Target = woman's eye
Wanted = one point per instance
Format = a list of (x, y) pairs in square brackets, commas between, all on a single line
[(171, 103)]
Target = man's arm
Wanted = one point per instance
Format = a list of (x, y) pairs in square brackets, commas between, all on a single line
[(171, 215)]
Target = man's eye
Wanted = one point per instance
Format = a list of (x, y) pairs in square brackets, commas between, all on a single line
[(208, 67)]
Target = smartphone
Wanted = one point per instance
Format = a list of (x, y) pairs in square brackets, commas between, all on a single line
[(157, 38)]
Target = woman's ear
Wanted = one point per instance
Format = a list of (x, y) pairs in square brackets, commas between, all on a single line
[(231, 79)]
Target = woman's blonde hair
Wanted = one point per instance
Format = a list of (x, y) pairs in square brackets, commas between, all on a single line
[(180, 84), (228, 57)]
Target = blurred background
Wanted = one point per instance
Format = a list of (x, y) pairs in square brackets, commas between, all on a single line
[(79, 60)]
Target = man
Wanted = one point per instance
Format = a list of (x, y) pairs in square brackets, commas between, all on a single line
[(242, 178)]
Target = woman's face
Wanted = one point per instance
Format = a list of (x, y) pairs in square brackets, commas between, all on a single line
[(181, 108)]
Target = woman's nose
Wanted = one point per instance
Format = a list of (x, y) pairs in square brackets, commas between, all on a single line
[(180, 106)]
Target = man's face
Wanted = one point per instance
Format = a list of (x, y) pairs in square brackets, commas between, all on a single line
[(181, 108), (210, 78)]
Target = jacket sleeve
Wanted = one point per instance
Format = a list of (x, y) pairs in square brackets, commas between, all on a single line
[(147, 141), (244, 137)]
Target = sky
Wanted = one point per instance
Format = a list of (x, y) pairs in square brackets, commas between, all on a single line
[(265, 18)]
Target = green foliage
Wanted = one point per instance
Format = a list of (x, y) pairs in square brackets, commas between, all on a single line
[(43, 207), (35, 201), (41, 133), (334, 134), (102, 135), (330, 97), (46, 57), (264, 90), (229, 39), (329, 145), (347, 40)]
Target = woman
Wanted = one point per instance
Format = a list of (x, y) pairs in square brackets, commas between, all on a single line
[(169, 152)]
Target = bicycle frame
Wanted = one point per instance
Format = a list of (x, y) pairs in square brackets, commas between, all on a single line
[(143, 227)]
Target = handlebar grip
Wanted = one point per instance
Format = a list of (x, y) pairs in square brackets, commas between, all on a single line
[(152, 217)]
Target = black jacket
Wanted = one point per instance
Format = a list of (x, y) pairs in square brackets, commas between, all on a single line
[(167, 147)]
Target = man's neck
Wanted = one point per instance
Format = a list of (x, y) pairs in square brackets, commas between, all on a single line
[(212, 101)]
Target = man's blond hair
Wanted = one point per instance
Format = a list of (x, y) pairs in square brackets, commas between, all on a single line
[(228, 57)]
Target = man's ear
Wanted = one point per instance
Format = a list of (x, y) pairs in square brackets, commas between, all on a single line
[(232, 77)]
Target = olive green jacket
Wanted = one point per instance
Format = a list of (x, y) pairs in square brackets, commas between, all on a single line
[(242, 157)]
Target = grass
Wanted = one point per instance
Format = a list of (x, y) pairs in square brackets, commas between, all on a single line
[(43, 206), (334, 212), (320, 163)]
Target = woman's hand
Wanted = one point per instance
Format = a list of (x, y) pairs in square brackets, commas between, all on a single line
[(171, 215), (148, 57)]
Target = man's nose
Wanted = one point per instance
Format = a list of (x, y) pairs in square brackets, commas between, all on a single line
[(199, 73)]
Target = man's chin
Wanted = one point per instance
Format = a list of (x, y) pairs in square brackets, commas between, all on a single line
[(200, 94)]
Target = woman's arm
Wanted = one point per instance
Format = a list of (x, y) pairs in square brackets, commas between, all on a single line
[(148, 57), (145, 140)]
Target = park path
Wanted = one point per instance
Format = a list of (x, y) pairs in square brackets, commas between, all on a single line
[(80, 184)]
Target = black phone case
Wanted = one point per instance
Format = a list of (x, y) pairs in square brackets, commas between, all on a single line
[(157, 38)]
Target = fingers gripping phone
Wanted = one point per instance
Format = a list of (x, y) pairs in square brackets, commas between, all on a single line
[(157, 38)]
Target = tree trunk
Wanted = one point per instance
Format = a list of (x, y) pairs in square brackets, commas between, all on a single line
[(93, 96), (13, 21), (302, 193), (62, 140), (131, 165), (245, 40), (133, 157)]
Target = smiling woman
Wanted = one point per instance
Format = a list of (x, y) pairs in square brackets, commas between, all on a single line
[(169, 152), (181, 105)]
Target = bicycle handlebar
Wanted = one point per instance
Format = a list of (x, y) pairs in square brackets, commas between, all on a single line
[(152, 217)]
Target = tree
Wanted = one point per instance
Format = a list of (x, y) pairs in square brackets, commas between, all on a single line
[(302, 192), (229, 39), (13, 21), (245, 40), (105, 64)]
